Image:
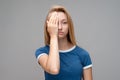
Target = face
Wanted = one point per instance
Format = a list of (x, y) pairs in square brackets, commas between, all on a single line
[(62, 25)]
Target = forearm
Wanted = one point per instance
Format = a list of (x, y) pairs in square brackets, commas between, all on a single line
[(53, 62)]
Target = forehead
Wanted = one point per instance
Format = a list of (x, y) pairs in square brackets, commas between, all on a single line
[(61, 15)]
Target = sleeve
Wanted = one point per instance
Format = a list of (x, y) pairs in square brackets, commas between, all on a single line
[(86, 60), (41, 51)]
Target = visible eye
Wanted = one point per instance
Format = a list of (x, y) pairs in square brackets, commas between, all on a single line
[(65, 22)]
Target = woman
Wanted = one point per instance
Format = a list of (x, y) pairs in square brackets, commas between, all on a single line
[(61, 58)]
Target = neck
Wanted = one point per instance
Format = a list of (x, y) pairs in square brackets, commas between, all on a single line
[(64, 44)]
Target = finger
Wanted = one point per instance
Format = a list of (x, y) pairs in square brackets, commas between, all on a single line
[(50, 14), (56, 20), (47, 23), (51, 19)]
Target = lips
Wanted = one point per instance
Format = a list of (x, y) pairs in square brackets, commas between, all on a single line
[(60, 33)]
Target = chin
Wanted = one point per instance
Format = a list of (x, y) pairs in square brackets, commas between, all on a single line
[(61, 37)]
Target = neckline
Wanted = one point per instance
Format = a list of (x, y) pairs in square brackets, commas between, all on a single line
[(68, 50)]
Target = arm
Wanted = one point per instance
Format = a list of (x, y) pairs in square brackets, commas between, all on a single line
[(50, 63), (87, 74)]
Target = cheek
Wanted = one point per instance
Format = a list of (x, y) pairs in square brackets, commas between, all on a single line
[(66, 29)]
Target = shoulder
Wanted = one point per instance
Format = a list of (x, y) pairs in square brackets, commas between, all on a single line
[(84, 56), (41, 50), (81, 51)]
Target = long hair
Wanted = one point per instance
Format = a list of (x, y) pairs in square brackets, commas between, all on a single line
[(70, 35)]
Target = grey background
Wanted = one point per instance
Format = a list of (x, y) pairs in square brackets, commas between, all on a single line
[(97, 29)]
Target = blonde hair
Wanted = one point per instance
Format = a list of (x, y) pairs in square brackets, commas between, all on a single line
[(70, 35)]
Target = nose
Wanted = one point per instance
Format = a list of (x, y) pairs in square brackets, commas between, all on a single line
[(59, 26)]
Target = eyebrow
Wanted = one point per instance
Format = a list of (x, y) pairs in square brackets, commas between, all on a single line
[(64, 20)]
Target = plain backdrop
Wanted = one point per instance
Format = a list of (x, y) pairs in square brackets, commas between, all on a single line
[(97, 29)]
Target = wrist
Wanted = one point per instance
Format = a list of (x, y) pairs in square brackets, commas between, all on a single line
[(53, 36)]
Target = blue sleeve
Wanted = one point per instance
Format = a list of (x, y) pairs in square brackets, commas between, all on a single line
[(86, 60), (41, 50)]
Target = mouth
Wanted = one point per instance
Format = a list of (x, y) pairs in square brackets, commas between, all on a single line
[(60, 33)]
